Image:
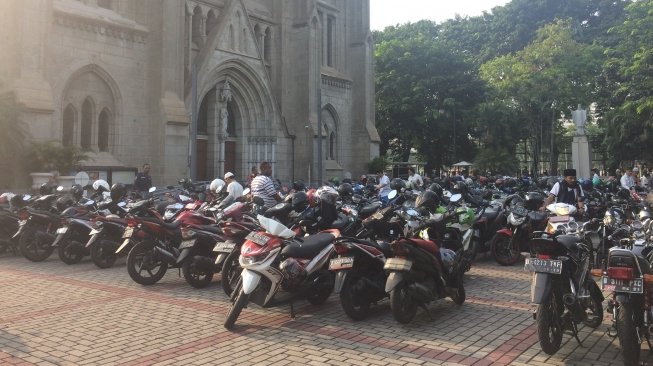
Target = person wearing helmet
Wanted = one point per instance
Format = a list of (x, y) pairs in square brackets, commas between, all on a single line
[(262, 186), (101, 189), (234, 189), (143, 181), (299, 186), (414, 180), (118, 192), (217, 186), (567, 191)]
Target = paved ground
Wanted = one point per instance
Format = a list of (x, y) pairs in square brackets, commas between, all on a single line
[(54, 314)]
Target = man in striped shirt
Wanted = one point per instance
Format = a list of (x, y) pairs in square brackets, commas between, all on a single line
[(262, 186)]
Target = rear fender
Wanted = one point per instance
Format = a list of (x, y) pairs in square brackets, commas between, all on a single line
[(340, 280), (394, 279), (540, 287)]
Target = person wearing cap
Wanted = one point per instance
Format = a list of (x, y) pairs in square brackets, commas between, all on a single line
[(627, 180), (567, 191), (234, 188)]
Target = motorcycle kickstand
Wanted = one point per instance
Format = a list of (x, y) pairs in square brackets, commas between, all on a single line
[(292, 310), (574, 329)]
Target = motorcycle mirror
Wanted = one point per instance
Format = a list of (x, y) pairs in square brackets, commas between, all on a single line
[(456, 197), (152, 189), (392, 194), (246, 191)]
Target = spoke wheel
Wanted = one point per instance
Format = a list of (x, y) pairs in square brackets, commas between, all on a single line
[(142, 265)]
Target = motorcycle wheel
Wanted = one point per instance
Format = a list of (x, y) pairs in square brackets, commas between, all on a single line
[(234, 312), (142, 267), (505, 251), (351, 298), (4, 246), (231, 270), (628, 340), (549, 326), (459, 296), (70, 251), (402, 305), (103, 253), (35, 245), (194, 276), (595, 307)]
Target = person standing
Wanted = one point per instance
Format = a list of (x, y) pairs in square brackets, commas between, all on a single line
[(414, 180), (251, 176), (627, 180), (143, 181), (234, 189), (262, 186)]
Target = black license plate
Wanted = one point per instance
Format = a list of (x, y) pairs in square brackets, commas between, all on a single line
[(634, 286), (341, 263), (257, 238), (553, 266)]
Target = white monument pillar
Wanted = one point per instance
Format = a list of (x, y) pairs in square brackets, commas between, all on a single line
[(581, 152)]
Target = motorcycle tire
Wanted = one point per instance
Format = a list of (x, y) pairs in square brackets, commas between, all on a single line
[(505, 250), (194, 276), (231, 270), (549, 326), (353, 302), (320, 291), (402, 305), (595, 307), (459, 296), (70, 251), (103, 253), (628, 340), (35, 245), (234, 312), (141, 259)]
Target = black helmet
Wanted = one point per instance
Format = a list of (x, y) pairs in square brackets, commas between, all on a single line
[(118, 191), (345, 190), (299, 185), (398, 184), (427, 199), (299, 201), (461, 188), (587, 185), (45, 189), (77, 191), (623, 193)]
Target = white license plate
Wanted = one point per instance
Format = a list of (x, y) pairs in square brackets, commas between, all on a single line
[(225, 247), (94, 231), (634, 286), (398, 264), (129, 231), (257, 238), (187, 243), (341, 263), (553, 266), (62, 230)]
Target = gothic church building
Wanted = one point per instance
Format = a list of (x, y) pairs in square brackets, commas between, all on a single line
[(115, 78)]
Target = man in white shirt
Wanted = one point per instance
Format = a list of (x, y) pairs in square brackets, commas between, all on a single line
[(384, 185), (414, 180), (627, 180), (234, 189)]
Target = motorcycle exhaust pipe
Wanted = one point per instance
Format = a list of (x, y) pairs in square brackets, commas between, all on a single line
[(164, 255), (569, 299)]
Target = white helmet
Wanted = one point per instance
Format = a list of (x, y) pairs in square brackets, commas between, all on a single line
[(100, 184), (216, 185)]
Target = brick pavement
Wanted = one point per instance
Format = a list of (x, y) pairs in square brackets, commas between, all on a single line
[(54, 314)]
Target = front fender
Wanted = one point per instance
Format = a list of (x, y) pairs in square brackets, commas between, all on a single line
[(394, 278), (540, 287), (251, 280)]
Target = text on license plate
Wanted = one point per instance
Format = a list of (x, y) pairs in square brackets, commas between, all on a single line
[(398, 264), (257, 238), (543, 265), (341, 263), (225, 247), (129, 231), (635, 286), (62, 230)]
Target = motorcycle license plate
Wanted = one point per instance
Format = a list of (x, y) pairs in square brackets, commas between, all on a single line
[(398, 264), (129, 231), (634, 286), (341, 263), (257, 238), (187, 244), (94, 231), (62, 230), (225, 247), (553, 266)]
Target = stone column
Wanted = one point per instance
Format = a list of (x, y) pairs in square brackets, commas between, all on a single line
[(580, 148)]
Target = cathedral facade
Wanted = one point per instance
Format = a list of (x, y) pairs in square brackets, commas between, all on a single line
[(235, 82)]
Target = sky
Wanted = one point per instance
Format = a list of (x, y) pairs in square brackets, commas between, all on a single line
[(392, 12)]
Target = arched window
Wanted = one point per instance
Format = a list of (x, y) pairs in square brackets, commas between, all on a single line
[(103, 130), (259, 36), (211, 21), (332, 146), (267, 45), (68, 135), (87, 124), (196, 26)]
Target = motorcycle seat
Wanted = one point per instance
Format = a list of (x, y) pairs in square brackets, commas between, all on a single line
[(369, 209), (278, 210), (383, 246), (490, 214), (427, 245), (210, 228), (570, 242), (537, 217), (309, 248)]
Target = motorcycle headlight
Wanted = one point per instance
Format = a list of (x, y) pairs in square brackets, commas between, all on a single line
[(608, 220), (516, 220)]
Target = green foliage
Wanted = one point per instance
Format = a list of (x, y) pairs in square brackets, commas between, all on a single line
[(377, 164), (50, 155), (496, 160)]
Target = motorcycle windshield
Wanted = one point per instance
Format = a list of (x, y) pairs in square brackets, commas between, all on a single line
[(274, 227)]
